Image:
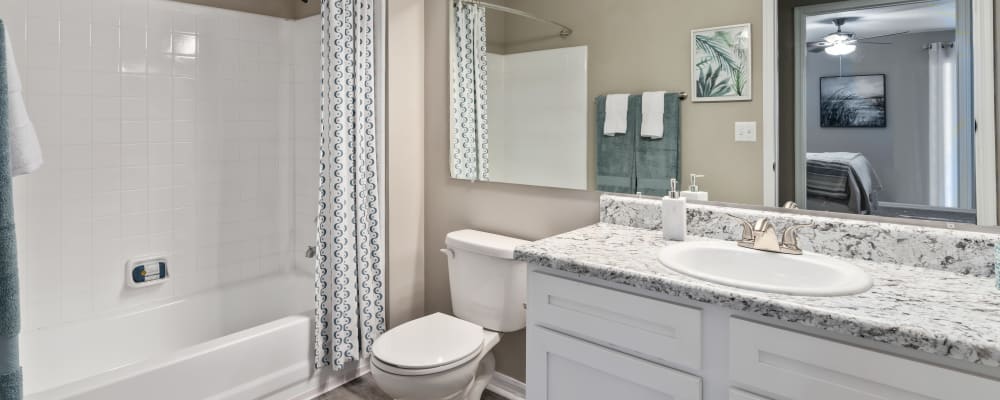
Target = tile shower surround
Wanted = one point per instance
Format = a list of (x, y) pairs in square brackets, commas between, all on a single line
[(167, 129)]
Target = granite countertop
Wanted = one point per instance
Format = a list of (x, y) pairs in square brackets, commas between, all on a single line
[(938, 312)]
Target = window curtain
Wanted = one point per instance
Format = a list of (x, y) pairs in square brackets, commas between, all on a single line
[(350, 259), (470, 145), (10, 315), (943, 166)]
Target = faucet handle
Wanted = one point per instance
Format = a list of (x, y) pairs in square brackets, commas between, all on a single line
[(762, 225), (789, 239)]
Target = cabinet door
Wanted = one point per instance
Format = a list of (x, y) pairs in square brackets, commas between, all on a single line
[(791, 365), (562, 367)]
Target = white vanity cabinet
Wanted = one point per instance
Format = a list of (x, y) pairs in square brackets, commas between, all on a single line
[(584, 341), (587, 341)]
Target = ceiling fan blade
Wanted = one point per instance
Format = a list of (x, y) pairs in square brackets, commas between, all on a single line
[(886, 35), (864, 42), (816, 49)]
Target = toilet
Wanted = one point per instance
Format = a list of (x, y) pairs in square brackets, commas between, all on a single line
[(450, 357)]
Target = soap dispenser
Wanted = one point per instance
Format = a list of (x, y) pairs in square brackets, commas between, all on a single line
[(674, 214), (693, 193)]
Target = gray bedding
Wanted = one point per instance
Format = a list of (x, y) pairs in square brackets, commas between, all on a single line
[(847, 179)]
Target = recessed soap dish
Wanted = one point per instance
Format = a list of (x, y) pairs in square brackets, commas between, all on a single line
[(146, 271)]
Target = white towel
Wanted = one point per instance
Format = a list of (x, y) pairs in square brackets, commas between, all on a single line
[(25, 152), (615, 114), (652, 115)]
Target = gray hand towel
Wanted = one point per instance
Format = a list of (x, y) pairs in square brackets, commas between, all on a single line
[(615, 154), (658, 159)]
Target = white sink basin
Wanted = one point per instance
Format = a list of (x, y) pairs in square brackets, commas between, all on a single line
[(726, 263)]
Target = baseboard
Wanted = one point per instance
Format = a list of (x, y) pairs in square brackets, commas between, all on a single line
[(507, 387)]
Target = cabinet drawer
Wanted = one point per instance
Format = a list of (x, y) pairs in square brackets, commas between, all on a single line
[(796, 366), (657, 330), (561, 367)]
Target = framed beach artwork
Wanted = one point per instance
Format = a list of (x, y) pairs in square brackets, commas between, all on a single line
[(856, 101), (721, 59)]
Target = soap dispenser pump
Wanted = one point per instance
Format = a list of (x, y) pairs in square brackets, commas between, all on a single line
[(674, 214), (693, 193)]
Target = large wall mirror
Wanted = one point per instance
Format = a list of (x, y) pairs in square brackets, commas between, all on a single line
[(863, 107)]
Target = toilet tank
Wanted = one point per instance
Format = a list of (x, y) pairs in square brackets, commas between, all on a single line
[(487, 285)]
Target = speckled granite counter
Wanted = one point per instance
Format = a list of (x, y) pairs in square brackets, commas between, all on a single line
[(938, 312)]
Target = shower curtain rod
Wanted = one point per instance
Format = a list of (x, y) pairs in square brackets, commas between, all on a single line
[(566, 31)]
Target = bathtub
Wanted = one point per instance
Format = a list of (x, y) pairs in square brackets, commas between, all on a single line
[(252, 340)]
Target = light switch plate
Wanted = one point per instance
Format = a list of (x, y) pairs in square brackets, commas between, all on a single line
[(746, 131)]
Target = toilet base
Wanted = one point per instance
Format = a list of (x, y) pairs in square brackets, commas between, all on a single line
[(483, 376)]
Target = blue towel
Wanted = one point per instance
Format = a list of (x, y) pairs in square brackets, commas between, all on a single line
[(658, 159), (616, 154), (10, 317)]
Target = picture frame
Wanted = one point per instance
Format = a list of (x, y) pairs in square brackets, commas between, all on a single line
[(722, 64), (853, 101)]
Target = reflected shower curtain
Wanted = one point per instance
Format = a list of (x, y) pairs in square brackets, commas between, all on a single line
[(943, 166), (350, 261), (470, 147)]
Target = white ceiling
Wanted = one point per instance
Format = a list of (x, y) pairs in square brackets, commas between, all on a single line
[(936, 15)]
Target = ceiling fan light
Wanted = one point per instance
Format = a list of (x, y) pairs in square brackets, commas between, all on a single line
[(835, 38), (840, 49)]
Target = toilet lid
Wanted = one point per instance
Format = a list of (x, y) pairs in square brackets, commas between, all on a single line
[(429, 342)]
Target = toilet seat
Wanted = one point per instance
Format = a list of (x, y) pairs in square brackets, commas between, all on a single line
[(427, 345)]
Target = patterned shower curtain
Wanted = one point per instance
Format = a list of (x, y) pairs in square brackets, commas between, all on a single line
[(468, 100), (350, 260)]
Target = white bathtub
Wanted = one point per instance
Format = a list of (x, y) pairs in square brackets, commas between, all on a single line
[(252, 340)]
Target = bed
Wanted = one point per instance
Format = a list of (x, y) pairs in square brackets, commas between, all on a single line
[(842, 182)]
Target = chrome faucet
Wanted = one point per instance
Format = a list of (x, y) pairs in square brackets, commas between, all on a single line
[(761, 236)]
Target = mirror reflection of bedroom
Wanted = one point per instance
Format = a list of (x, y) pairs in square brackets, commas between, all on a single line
[(884, 114)]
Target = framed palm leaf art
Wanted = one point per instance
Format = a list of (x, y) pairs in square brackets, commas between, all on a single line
[(721, 62)]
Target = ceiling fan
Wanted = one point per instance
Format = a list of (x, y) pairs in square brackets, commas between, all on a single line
[(842, 43)]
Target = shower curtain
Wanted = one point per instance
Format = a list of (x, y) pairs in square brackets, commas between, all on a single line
[(350, 260), (470, 145), (943, 165)]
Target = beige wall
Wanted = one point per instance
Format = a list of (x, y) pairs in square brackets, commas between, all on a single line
[(292, 9), (405, 159), (644, 45), (526, 212), (533, 213)]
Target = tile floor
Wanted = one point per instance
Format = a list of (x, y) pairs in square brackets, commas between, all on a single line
[(364, 388)]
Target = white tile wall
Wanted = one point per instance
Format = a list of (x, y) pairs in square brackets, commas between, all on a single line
[(167, 129), (306, 91)]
